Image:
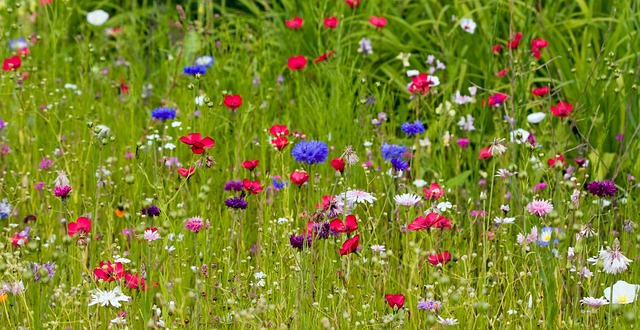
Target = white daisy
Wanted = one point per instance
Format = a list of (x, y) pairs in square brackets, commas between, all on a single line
[(359, 197), (377, 248), (407, 199), (106, 298), (447, 321), (593, 302), (503, 221), (444, 206)]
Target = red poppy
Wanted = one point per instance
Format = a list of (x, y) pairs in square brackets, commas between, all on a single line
[(430, 220), (395, 300), (331, 22), (186, 172), (496, 49), (252, 187), (197, 143), (515, 42), (497, 99), (501, 73), (250, 164), (108, 271), (233, 102), (338, 164), (80, 226), (279, 130), (440, 259), (297, 62), (12, 63), (420, 83), (123, 88), (541, 91), (350, 245), (353, 3), (562, 109), (280, 142), (348, 226), (536, 45), (485, 153), (294, 23), (433, 192), (378, 22), (299, 177), (135, 282), (326, 201), (558, 160), (324, 56)]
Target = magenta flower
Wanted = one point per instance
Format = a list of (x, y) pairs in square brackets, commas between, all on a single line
[(540, 207), (62, 191)]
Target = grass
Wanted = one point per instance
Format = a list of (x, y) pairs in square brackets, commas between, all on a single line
[(241, 271)]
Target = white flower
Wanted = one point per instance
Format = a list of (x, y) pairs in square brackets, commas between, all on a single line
[(412, 73), (176, 124), (613, 260), (466, 123), (594, 302), (503, 221), (404, 58), (519, 136), (497, 147), (170, 146), (205, 60), (424, 142), (367, 144), (407, 199), (121, 259), (70, 86), (536, 117), (468, 25), (444, 206), (461, 99), (433, 81), (447, 321), (97, 17), (106, 298), (359, 197), (259, 275), (623, 293), (377, 248), (473, 90), (151, 235), (199, 100), (419, 183), (119, 320)]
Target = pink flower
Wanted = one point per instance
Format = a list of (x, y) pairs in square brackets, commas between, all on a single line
[(195, 224), (81, 226), (540, 207), (151, 234), (62, 191)]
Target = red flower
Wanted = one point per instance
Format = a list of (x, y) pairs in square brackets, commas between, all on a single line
[(250, 164), (420, 83), (331, 22), (496, 99), (109, 271), (502, 73), (338, 164), (81, 226), (299, 177), (12, 63), (135, 282), (279, 130), (496, 49), (353, 3), (294, 23), (541, 91), (433, 192), (19, 239), (562, 109), (186, 172), (485, 153), (440, 259), (197, 143), (297, 62), (350, 245), (348, 226), (395, 300), (536, 45), (252, 187), (124, 88), (233, 102), (324, 56), (515, 42), (430, 220), (378, 22), (280, 142), (326, 201), (557, 160)]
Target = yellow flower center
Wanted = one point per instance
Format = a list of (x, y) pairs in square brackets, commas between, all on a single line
[(623, 299)]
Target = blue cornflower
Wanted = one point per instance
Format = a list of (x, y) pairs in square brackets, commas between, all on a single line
[(399, 164), (310, 152), (5, 209), (18, 44), (390, 151), (193, 70), (544, 238), (237, 203), (278, 183), (412, 129), (163, 113), (205, 60)]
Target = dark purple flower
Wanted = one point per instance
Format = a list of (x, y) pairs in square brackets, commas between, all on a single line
[(49, 267), (151, 211), (237, 203), (323, 230), (298, 241), (233, 186), (606, 188)]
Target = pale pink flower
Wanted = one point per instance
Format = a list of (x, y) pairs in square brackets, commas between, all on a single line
[(540, 207), (151, 234), (594, 302)]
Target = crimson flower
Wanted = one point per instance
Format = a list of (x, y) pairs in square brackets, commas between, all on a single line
[(186, 172), (294, 23), (324, 56), (562, 109), (197, 143), (378, 22), (250, 164), (280, 142), (80, 226), (433, 192), (252, 187), (299, 178), (233, 102), (353, 3), (279, 130), (135, 282), (338, 164), (556, 160), (331, 22), (502, 73), (348, 226), (541, 91), (124, 88), (12, 63), (515, 42), (497, 99), (430, 220), (496, 49), (297, 62), (485, 153), (350, 245), (395, 300), (440, 259), (421, 84), (108, 271), (536, 45)]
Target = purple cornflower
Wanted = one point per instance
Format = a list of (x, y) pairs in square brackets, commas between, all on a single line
[(606, 188), (310, 152), (163, 113), (300, 241), (399, 164), (365, 47), (49, 267), (237, 203), (3, 124), (429, 305), (391, 151), (413, 129), (323, 230), (233, 186), (193, 70), (539, 187), (151, 211), (45, 163)]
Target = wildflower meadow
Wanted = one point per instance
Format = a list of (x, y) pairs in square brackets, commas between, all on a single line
[(329, 164)]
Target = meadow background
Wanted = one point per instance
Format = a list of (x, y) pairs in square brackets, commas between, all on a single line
[(81, 102)]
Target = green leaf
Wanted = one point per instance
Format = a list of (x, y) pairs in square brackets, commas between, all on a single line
[(458, 180)]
